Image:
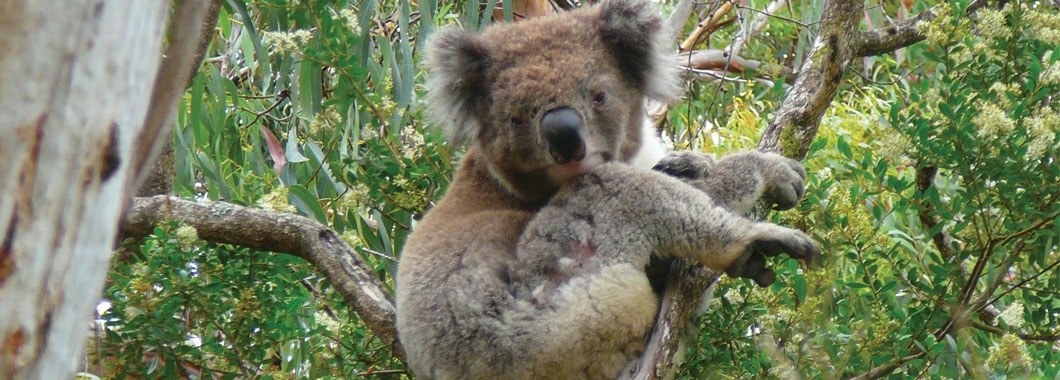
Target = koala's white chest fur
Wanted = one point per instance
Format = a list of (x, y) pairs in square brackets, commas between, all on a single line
[(652, 149)]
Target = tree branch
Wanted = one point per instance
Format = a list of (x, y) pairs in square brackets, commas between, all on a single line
[(159, 179), (885, 369), (281, 233), (677, 19), (1050, 337), (797, 120), (887, 39), (688, 286), (925, 179), (722, 61), (185, 26)]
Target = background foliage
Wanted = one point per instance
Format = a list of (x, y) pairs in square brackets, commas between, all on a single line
[(933, 191)]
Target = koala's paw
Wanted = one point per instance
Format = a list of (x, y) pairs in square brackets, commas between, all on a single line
[(772, 241), (785, 179), (685, 165)]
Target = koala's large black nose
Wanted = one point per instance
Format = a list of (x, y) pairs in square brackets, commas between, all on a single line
[(562, 129)]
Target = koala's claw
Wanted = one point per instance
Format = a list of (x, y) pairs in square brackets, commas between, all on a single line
[(752, 264), (686, 165)]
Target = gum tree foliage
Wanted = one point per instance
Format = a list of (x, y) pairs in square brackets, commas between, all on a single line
[(933, 191)]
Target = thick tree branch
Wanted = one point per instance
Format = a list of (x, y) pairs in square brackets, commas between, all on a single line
[(185, 25), (159, 179), (798, 118), (282, 233)]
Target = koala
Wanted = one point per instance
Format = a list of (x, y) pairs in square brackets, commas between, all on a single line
[(533, 265)]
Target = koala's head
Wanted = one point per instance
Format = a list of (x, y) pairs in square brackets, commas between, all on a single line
[(548, 98)]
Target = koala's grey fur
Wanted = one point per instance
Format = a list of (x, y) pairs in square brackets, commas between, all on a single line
[(530, 268)]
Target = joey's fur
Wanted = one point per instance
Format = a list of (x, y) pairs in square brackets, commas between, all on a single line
[(533, 264)]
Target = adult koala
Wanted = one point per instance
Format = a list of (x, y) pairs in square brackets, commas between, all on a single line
[(533, 264)]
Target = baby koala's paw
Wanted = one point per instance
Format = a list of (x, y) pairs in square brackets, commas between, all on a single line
[(772, 240), (784, 178)]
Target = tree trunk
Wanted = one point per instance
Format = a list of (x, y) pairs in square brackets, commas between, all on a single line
[(80, 80)]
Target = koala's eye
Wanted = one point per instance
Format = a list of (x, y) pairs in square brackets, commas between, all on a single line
[(518, 122), (599, 98)]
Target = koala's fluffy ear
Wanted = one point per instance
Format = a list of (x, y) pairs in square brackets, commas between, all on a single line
[(635, 34), (458, 95)]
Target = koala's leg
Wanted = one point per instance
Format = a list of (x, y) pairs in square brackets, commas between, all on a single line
[(738, 181), (582, 257)]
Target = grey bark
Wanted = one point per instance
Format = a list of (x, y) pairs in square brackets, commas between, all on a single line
[(159, 179)]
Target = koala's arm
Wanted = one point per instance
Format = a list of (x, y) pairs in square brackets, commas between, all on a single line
[(738, 181), (628, 214)]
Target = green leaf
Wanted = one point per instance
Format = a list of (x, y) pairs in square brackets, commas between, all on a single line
[(306, 203), (291, 150), (331, 186), (310, 94), (844, 147)]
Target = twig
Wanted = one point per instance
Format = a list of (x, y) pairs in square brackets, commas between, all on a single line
[(885, 369), (388, 258), (716, 75), (769, 12), (382, 372), (888, 83), (1025, 281), (706, 27), (737, 46), (283, 95), (1050, 337)]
